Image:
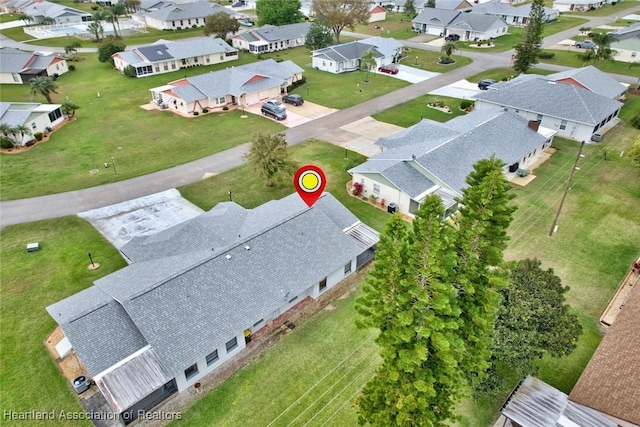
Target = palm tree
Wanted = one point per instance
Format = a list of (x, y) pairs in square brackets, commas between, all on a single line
[(368, 60), (45, 86), (72, 48), (132, 5), (47, 20), (26, 18), (447, 49), (96, 28), (113, 13), (19, 131), (603, 51)]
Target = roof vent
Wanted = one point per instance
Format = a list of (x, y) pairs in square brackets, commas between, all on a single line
[(247, 247), (228, 257)]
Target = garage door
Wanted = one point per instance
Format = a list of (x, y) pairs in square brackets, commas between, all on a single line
[(253, 98), (434, 31)]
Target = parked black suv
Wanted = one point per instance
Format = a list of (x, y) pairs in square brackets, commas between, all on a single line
[(452, 38), (275, 109), (484, 84), (293, 98)]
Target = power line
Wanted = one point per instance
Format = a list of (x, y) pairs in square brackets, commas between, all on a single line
[(566, 190)]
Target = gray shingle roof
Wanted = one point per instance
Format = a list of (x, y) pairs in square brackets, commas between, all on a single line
[(13, 60), (237, 80), (593, 79), (476, 21), (347, 51), (52, 10), (276, 33), (560, 100), (163, 50), (176, 12), (186, 313), (98, 327), (447, 160), (435, 16)]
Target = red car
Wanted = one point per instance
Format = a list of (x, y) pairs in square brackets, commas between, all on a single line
[(389, 69)]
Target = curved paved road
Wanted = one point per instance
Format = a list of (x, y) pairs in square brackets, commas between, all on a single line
[(70, 203)]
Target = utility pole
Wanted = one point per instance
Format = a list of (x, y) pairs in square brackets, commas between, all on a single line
[(566, 189)]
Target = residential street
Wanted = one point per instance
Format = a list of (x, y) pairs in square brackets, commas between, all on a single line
[(325, 128)]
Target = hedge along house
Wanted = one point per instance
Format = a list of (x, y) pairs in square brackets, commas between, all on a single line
[(240, 86), (194, 292), (573, 111), (435, 158), (270, 38), (165, 56), (36, 117), (18, 67)]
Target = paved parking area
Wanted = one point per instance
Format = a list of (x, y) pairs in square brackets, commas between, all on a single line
[(410, 74), (145, 216), (461, 89), (297, 115), (360, 135)]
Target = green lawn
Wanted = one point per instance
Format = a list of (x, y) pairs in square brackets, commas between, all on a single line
[(428, 60), (8, 17), (397, 26), (115, 125), (29, 378), (608, 9), (411, 112), (327, 359), (504, 73), (572, 58), (509, 40)]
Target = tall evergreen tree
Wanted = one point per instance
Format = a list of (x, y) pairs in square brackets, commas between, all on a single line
[(483, 220), (410, 9), (529, 47), (319, 35), (409, 296), (279, 12)]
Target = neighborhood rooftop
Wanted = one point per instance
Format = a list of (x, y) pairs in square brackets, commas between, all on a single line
[(592, 79), (163, 50), (182, 305), (552, 98)]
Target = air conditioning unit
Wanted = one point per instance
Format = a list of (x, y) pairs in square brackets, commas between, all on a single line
[(81, 384)]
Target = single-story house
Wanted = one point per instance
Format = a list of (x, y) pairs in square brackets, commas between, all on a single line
[(592, 79), (577, 5), (609, 383), (39, 10), (195, 293), (346, 57), (36, 117), (271, 38), (573, 111), (469, 26), (534, 403), (435, 158), (243, 85), (17, 66), (377, 13), (516, 16), (184, 15), (627, 44), (13, 6), (459, 5), (165, 56)]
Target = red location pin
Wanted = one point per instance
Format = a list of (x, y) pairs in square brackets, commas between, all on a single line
[(309, 181)]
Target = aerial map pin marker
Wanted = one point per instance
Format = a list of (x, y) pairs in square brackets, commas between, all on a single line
[(309, 181)]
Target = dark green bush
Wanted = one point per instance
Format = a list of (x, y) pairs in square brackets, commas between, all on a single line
[(546, 55), (72, 67), (5, 142), (225, 108), (38, 136), (466, 104), (195, 113), (205, 110)]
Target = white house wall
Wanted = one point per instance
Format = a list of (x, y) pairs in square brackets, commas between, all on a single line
[(624, 55), (10, 78), (57, 67), (255, 325), (388, 192)]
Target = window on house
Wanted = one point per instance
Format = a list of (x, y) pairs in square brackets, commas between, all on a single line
[(55, 115), (323, 284), (347, 268), (293, 299), (207, 59), (33, 126), (16, 77), (173, 23), (189, 21), (633, 54), (221, 100), (157, 68), (181, 22), (165, 66), (563, 125), (212, 357), (231, 344), (184, 62), (539, 117), (195, 59), (173, 65), (376, 188), (221, 57), (191, 371)]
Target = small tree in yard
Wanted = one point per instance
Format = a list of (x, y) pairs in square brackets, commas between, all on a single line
[(410, 9), (279, 12), (15, 134), (529, 47), (367, 61), (319, 35), (220, 24), (270, 158), (341, 14), (634, 153), (533, 321), (107, 49), (72, 49), (447, 49), (129, 71), (69, 109)]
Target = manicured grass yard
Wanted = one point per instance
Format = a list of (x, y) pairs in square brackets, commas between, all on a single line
[(397, 26), (29, 378), (411, 112), (8, 17), (572, 58), (115, 125), (318, 368)]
